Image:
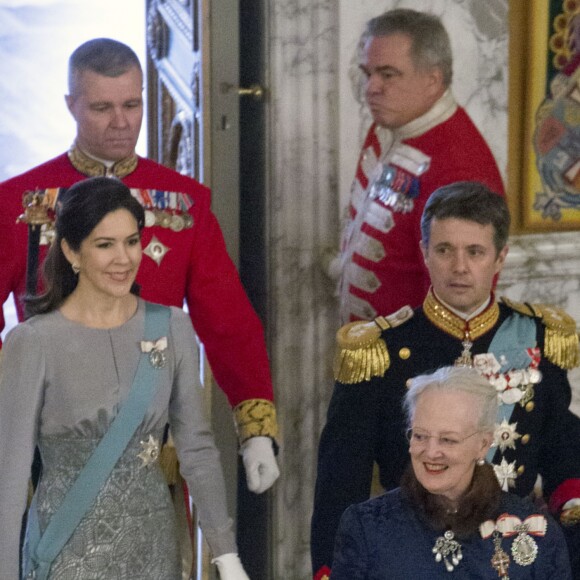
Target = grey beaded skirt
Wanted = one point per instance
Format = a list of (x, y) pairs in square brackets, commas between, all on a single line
[(128, 533)]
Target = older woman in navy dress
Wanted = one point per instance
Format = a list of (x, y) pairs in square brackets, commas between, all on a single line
[(449, 518)]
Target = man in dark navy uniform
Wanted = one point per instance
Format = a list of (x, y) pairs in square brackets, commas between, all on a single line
[(525, 350)]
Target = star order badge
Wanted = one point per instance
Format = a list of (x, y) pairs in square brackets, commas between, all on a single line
[(505, 435), (150, 452), (156, 250), (506, 474)]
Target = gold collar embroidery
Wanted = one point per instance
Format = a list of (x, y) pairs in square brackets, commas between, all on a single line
[(452, 324), (93, 168)]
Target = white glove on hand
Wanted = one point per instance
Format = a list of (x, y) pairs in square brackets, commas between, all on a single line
[(261, 467), (331, 263), (230, 567)]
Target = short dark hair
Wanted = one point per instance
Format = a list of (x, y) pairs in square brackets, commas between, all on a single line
[(471, 201), (79, 210), (103, 56), (430, 45)]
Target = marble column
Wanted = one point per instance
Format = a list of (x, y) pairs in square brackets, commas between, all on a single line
[(302, 222)]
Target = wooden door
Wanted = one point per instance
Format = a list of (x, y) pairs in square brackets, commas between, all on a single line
[(195, 127)]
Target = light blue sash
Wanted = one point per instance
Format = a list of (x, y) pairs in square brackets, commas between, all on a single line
[(509, 346), (43, 550)]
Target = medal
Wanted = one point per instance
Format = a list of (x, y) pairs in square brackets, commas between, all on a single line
[(150, 452), (149, 218), (177, 223), (524, 548), (188, 220), (446, 547), (164, 219), (156, 350), (465, 359), (500, 561)]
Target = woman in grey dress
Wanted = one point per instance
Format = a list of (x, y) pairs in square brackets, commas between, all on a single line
[(66, 373)]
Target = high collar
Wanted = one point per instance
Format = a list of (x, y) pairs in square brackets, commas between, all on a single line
[(442, 110), (456, 326), (92, 167)]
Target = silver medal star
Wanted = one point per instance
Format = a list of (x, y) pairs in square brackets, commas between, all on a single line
[(150, 451)]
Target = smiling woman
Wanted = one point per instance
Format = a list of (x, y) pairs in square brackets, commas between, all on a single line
[(92, 380), (450, 514)]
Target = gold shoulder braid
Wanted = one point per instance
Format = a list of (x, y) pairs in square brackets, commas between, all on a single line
[(255, 418), (361, 352), (561, 338)]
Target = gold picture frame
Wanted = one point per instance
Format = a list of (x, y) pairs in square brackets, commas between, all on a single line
[(544, 118)]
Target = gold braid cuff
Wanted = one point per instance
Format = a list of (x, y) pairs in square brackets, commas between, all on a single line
[(361, 352), (255, 418), (561, 338), (570, 516)]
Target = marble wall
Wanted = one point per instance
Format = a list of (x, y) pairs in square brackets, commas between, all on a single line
[(303, 220)]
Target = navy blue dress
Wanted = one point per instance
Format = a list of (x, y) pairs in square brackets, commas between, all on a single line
[(384, 539)]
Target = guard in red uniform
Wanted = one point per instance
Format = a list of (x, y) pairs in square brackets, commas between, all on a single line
[(185, 254), (420, 140)]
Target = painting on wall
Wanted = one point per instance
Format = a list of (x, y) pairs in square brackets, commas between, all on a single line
[(551, 153)]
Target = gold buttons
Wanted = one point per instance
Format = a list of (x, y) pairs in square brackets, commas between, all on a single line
[(404, 353), (525, 439), (521, 469), (530, 406), (409, 383)]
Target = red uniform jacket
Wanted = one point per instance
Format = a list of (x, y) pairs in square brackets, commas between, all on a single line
[(195, 268), (382, 264)]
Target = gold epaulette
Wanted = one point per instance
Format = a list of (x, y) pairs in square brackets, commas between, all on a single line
[(561, 338), (361, 352), (255, 418)]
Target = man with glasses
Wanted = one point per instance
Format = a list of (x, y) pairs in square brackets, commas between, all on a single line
[(524, 350)]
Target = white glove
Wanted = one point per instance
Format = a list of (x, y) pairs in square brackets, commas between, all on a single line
[(261, 467), (230, 567), (331, 263)]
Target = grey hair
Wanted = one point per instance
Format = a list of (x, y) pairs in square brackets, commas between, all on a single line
[(430, 45), (459, 380), (103, 56)]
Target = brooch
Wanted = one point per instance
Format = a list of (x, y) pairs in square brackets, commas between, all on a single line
[(446, 547), (150, 451), (156, 350)]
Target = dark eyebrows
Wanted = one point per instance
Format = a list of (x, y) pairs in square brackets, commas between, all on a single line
[(100, 239)]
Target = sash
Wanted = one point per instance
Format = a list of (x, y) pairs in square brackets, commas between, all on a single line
[(43, 550), (509, 346)]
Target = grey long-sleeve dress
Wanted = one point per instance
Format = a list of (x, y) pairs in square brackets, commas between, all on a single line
[(61, 385)]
